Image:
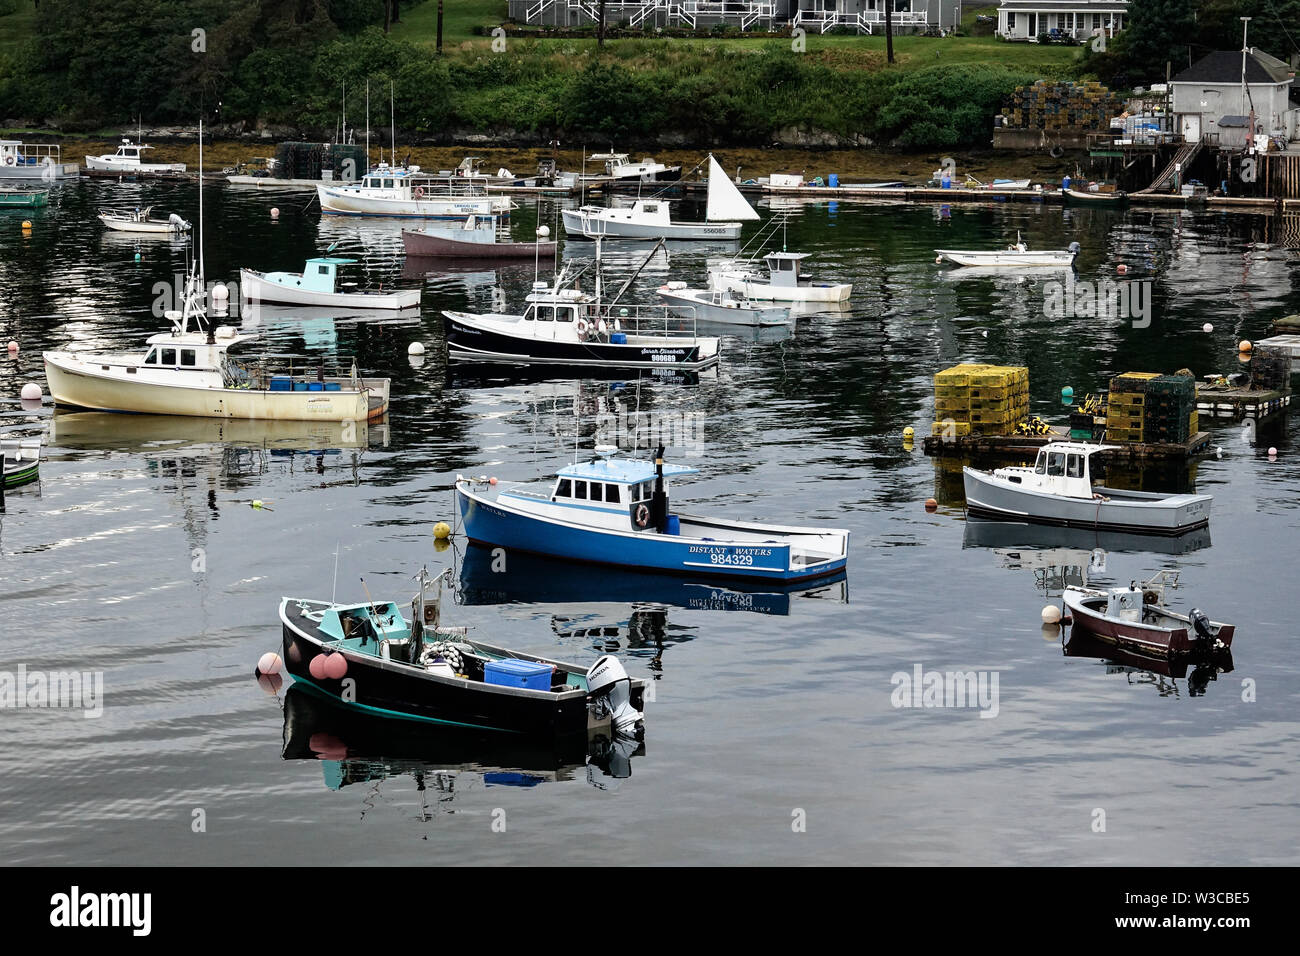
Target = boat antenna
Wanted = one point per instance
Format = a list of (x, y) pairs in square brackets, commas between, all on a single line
[(392, 123), (335, 591), (345, 112), (367, 124)]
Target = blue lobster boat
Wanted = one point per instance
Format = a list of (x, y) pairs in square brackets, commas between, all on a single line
[(616, 511)]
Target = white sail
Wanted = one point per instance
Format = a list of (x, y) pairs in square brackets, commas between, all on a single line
[(725, 201)]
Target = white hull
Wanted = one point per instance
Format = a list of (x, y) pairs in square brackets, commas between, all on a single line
[(1008, 259), (255, 287), (75, 382), (155, 226), (734, 314), (578, 226), (105, 164), (345, 202), (751, 288)]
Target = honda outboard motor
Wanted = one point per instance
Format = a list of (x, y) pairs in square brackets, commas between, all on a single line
[(1201, 623), (611, 692)]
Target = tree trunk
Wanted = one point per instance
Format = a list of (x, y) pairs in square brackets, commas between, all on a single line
[(440, 27), (397, 11), (600, 27), (889, 30)]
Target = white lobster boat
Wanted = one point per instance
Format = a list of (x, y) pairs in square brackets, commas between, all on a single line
[(1016, 255), (783, 282), (409, 193), (129, 158), (652, 219), (714, 305)]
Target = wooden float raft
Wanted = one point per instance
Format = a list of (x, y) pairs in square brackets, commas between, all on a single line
[(977, 446), (1235, 404)]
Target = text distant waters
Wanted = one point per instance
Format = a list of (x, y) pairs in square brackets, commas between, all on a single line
[(139, 555)]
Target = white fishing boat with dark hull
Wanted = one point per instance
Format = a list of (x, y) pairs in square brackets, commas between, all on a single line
[(651, 218), (567, 327), (1058, 490), (624, 172)]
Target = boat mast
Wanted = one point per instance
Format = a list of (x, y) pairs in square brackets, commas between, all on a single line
[(345, 112), (392, 126), (367, 124)]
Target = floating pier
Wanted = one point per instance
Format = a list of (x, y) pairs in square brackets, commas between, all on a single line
[(1236, 404), (987, 446)]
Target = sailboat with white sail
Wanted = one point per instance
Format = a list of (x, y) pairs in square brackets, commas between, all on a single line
[(726, 212)]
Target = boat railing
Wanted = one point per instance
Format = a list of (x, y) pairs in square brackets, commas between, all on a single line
[(256, 372), (31, 154), (645, 319)]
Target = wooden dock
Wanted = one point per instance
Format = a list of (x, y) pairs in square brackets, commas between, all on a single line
[(1236, 404), (974, 447)]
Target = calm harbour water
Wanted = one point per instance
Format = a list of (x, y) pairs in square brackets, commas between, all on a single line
[(764, 706)]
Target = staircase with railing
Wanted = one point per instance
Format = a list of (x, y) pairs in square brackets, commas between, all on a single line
[(1180, 164)]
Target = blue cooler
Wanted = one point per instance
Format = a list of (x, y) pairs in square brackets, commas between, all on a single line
[(618, 338), (833, 180), (315, 386), (673, 525), (333, 387), (281, 384), (512, 672), (300, 386)]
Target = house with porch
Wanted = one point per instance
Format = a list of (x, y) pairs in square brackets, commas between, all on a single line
[(813, 16), (649, 14), (868, 16), (1209, 101), (1076, 19)]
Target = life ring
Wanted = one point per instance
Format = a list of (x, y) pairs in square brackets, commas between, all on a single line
[(419, 192), (10, 161), (642, 516), (1056, 152), (582, 328)]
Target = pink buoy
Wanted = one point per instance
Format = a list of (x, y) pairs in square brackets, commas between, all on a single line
[(336, 666), (31, 392), (269, 663), (317, 667), (492, 481), (1272, 453), (13, 346), (275, 212), (1122, 269)]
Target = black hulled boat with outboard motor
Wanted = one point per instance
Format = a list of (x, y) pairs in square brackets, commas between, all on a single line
[(369, 658)]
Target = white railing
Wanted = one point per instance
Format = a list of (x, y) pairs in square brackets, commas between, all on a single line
[(533, 13)]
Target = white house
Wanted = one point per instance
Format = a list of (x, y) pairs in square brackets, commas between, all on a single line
[(1078, 19), (868, 16), (1209, 101)]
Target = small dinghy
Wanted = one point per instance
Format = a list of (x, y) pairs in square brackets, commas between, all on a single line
[(140, 221), (370, 658), (1135, 619), (783, 282), (718, 305), (1058, 490), (22, 197), (1016, 255), (316, 285), (613, 510), (998, 185), (1095, 195), (475, 238), (20, 460)]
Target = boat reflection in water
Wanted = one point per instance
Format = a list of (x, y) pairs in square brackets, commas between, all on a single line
[(173, 434), (444, 762), (993, 533), (494, 576), (1159, 671)]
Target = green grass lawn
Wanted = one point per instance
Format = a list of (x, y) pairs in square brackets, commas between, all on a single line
[(16, 27), (459, 18)]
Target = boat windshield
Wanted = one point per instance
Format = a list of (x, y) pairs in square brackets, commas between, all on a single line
[(1040, 466), (1055, 464)]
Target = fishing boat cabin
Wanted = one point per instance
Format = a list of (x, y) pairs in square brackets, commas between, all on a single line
[(1061, 468)]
